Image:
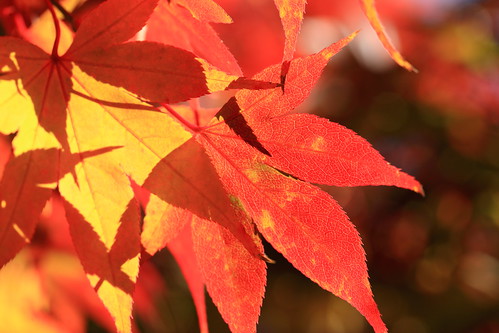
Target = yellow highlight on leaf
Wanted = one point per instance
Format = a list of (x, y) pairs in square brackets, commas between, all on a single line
[(13, 58), (252, 175), (286, 10), (216, 80), (130, 267), (6, 69), (20, 232), (267, 221), (318, 144), (48, 185)]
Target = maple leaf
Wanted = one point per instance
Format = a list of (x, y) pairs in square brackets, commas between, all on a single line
[(253, 146), (190, 29), (72, 113), (281, 206), (306, 146)]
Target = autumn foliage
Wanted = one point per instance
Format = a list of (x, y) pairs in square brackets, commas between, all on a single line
[(100, 108)]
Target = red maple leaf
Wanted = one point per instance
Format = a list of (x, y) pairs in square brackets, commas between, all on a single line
[(263, 153)]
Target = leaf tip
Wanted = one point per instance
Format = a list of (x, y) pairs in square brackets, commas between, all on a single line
[(265, 258), (399, 59), (419, 189), (334, 48)]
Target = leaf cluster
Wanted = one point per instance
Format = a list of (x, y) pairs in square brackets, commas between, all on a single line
[(98, 116)]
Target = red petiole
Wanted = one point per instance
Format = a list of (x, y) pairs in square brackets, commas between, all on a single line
[(194, 104), (55, 49), (194, 128)]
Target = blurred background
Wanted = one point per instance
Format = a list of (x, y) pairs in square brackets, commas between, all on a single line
[(433, 260)]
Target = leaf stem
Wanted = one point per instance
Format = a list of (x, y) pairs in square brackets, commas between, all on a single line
[(67, 17), (55, 49), (194, 104), (189, 125)]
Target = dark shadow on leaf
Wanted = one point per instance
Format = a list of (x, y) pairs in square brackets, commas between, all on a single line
[(153, 71), (9, 69), (285, 173), (284, 73), (27, 184), (7, 73), (96, 152), (48, 87), (186, 179), (115, 104), (93, 254), (71, 160), (245, 83), (231, 113)]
